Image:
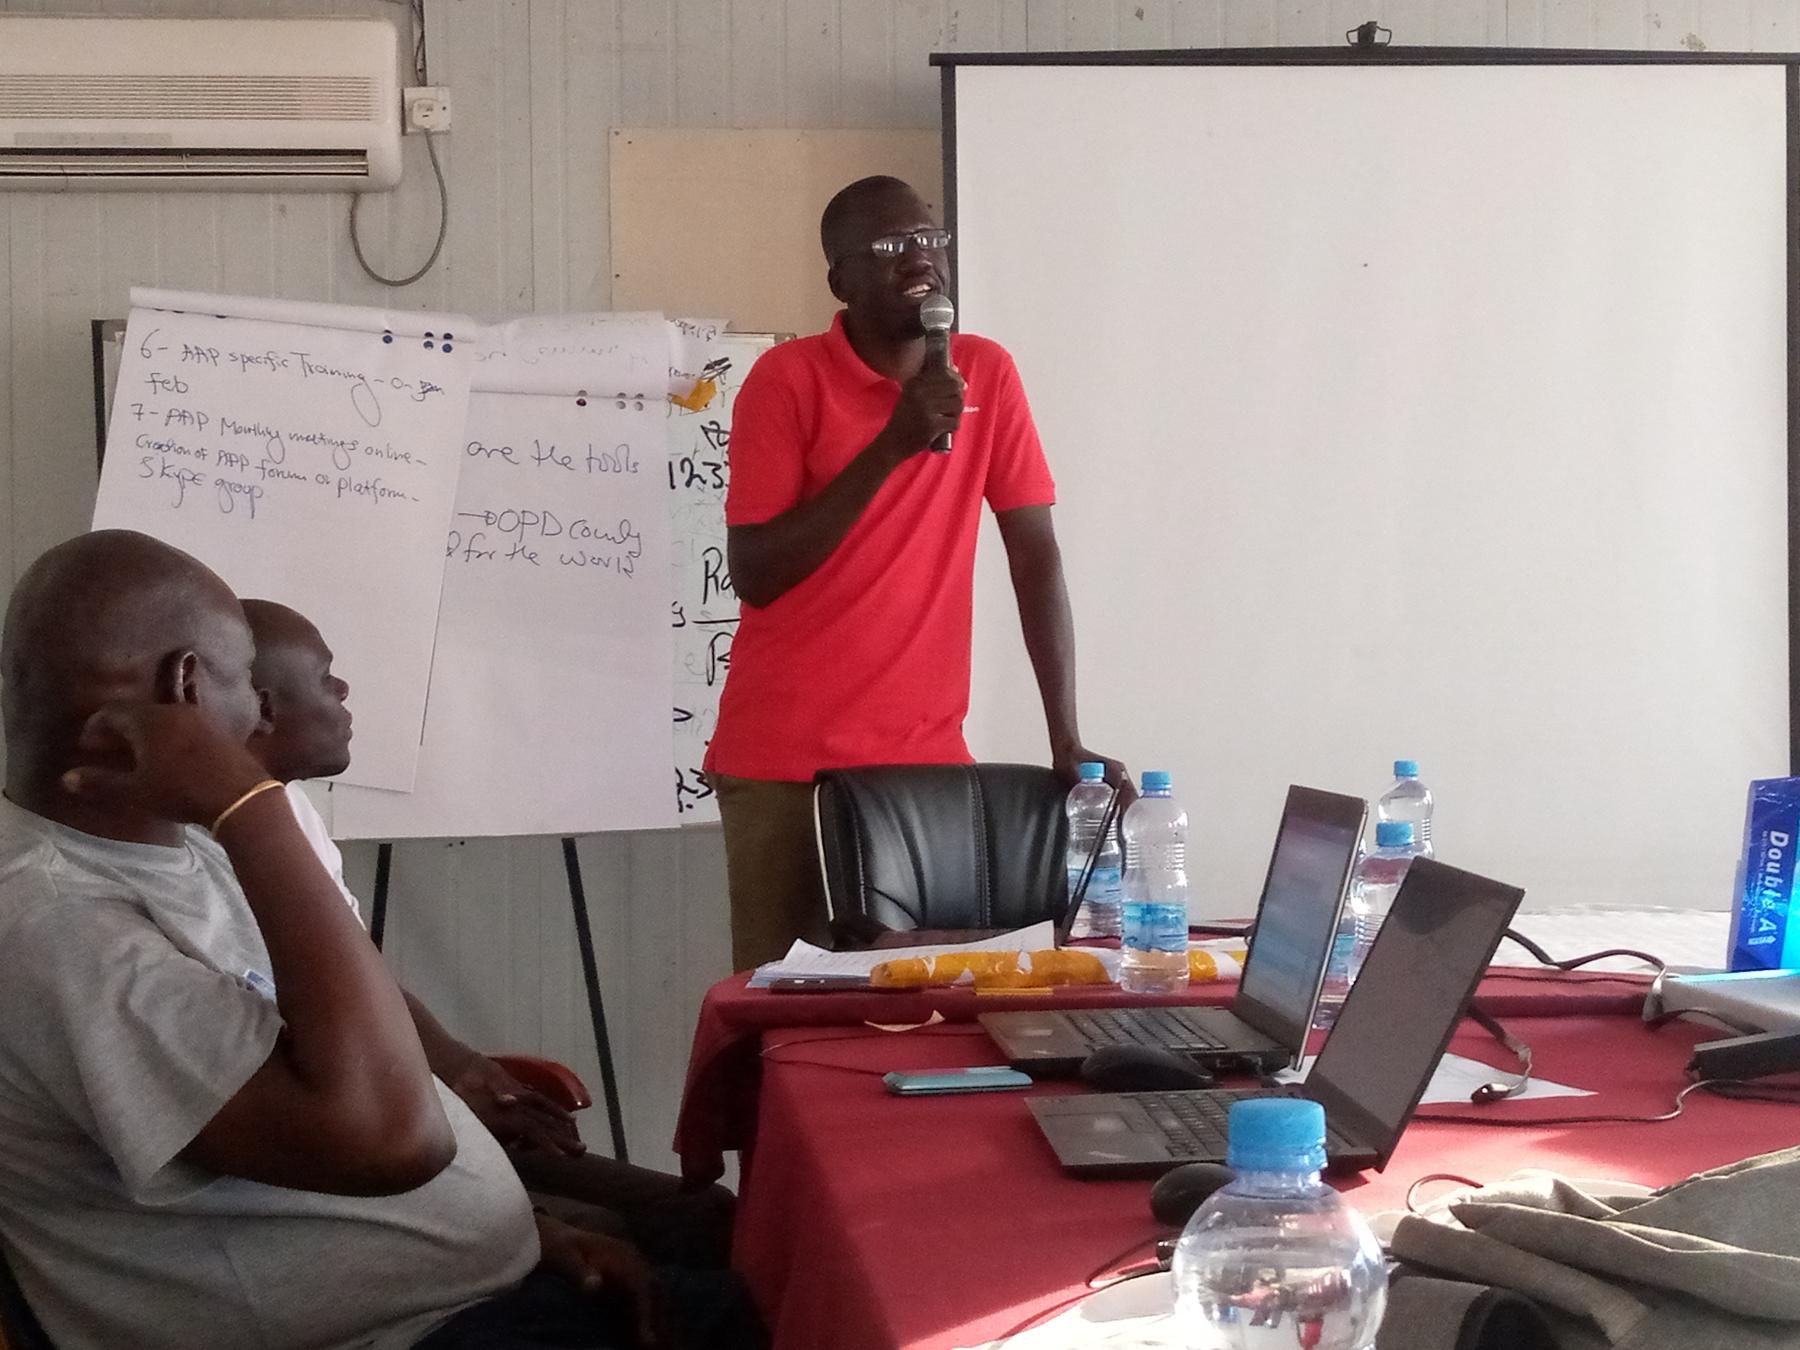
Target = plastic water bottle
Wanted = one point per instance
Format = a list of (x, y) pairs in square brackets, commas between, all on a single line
[(1155, 960), (1276, 1258), (1409, 800), (1087, 807), (1379, 873)]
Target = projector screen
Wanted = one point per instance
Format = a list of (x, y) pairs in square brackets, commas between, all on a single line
[(1435, 411)]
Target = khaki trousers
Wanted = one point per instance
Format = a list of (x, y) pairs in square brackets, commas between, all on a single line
[(772, 867)]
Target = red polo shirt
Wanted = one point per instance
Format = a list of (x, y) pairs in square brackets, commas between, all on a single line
[(867, 660)]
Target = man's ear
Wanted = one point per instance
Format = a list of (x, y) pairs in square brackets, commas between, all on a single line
[(837, 287), (265, 715), (177, 677)]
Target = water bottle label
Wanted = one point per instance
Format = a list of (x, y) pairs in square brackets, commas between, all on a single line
[(1104, 885), (1343, 951), (1156, 928)]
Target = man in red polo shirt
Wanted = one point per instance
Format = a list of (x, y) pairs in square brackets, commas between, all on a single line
[(853, 553)]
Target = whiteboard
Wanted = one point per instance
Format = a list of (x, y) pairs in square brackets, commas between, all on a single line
[(704, 610), (306, 453), (1382, 432)]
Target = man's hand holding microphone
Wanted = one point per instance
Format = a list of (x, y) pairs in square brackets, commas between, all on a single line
[(931, 402)]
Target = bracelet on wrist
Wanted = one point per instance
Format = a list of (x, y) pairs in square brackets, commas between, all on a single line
[(267, 785)]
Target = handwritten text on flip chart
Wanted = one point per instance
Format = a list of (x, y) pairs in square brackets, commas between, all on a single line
[(310, 465)]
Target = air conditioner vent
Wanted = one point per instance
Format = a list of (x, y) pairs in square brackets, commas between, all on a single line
[(259, 98), (63, 162)]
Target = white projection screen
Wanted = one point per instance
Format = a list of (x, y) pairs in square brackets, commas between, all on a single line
[(1431, 410)]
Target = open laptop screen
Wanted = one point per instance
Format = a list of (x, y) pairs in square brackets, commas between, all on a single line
[(1434, 945), (1298, 916)]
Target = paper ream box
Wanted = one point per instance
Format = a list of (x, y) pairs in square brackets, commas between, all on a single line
[(1765, 930)]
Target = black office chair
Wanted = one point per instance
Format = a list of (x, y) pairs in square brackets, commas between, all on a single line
[(19, 1329), (941, 846)]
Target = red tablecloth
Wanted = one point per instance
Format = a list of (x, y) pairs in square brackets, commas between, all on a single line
[(869, 1222), (719, 1101)]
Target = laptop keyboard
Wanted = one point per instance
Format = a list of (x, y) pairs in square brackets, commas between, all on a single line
[(1162, 1028), (1193, 1124)]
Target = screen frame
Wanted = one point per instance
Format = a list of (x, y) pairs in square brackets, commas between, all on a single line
[(1430, 887), (1331, 811), (1368, 55)]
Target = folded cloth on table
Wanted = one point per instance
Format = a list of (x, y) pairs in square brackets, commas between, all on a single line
[(1424, 1313), (1709, 1263)]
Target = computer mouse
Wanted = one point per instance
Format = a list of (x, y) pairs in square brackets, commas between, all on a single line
[(1178, 1193), (1141, 1068)]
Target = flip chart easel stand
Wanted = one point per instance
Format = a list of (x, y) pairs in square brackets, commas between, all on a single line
[(590, 971)]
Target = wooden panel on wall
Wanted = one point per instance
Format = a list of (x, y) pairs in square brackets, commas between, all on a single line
[(725, 224)]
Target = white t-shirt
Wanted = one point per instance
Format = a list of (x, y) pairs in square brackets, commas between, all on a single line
[(135, 1000), (312, 825)]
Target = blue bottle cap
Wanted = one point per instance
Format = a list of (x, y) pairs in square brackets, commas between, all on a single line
[(1276, 1134), (1393, 833), (1092, 773), (1156, 780), (1406, 768)]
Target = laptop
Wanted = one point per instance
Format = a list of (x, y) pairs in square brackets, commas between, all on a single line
[(1265, 1027), (1414, 987)]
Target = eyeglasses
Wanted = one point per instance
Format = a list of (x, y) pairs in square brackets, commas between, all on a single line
[(893, 245)]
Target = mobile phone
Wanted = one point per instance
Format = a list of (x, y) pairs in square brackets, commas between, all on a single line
[(986, 1078), (817, 984)]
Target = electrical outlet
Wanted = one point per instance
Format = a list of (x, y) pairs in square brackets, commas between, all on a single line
[(426, 108)]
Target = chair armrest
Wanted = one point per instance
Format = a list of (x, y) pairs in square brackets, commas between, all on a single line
[(556, 1081)]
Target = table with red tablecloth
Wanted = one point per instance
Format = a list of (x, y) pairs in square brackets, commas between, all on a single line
[(718, 1104), (871, 1221)]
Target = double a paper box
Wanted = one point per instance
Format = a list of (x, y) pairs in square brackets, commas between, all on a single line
[(1765, 927)]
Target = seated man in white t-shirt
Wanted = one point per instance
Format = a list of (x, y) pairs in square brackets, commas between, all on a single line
[(305, 733), (217, 1124)]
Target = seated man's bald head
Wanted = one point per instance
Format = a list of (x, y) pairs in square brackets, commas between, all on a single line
[(115, 616)]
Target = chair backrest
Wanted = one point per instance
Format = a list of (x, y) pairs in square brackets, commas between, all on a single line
[(943, 845), (19, 1329)]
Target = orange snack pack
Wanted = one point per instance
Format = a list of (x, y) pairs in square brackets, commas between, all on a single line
[(916, 972), (1205, 966)]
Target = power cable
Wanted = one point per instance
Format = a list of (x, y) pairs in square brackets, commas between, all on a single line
[(437, 247), (417, 9)]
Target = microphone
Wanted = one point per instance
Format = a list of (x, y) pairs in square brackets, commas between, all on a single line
[(936, 314)]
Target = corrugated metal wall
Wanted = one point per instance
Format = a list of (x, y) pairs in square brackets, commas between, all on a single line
[(481, 930)]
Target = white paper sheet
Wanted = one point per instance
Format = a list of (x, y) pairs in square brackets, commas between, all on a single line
[(312, 465), (549, 692), (595, 356), (1457, 1076), (804, 959)]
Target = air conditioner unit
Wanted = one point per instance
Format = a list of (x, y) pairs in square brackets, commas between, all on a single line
[(258, 104)]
